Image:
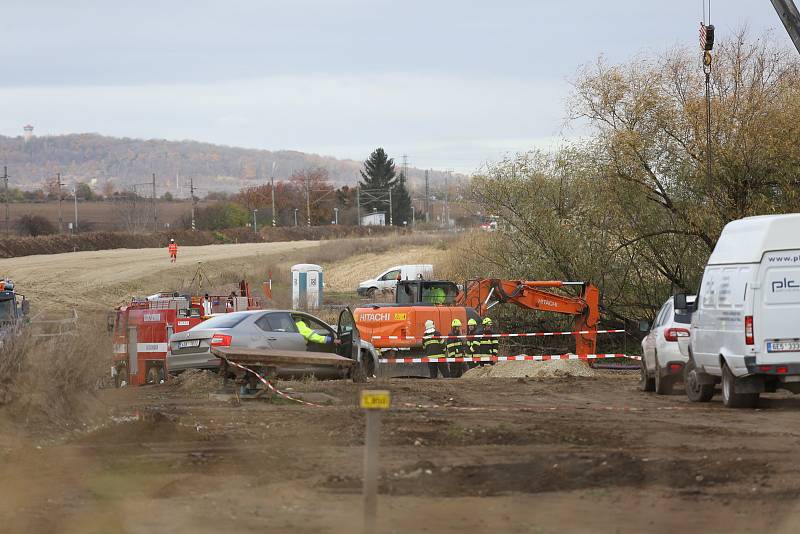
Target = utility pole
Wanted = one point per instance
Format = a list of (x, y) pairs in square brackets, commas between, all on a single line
[(427, 198), (358, 203), (60, 213), (446, 199), (155, 211), (272, 182), (272, 188), (255, 223), (194, 200), (75, 196), (5, 182), (308, 203), (391, 221)]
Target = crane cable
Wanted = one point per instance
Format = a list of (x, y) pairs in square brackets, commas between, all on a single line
[(707, 71)]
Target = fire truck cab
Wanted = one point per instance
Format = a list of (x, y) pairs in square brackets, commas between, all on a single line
[(141, 335)]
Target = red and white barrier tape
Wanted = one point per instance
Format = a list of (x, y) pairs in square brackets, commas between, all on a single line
[(529, 334), (521, 357), (271, 387)]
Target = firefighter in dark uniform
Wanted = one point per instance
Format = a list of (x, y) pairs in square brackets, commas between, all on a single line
[(474, 344), (456, 348), (434, 349), (488, 345)]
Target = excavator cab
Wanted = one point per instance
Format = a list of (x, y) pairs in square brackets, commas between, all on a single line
[(426, 293)]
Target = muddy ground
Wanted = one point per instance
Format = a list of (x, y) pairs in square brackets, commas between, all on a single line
[(504, 455)]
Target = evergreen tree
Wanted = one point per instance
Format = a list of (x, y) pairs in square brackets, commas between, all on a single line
[(401, 203), (377, 177)]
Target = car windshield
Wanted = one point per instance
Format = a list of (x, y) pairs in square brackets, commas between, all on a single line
[(229, 320)]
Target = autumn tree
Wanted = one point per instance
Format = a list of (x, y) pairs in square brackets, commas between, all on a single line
[(631, 208)]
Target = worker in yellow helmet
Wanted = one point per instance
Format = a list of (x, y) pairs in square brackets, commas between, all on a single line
[(456, 347)]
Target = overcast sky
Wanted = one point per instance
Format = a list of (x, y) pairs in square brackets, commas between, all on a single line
[(451, 83)]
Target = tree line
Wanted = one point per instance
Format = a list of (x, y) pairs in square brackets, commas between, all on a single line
[(631, 207)]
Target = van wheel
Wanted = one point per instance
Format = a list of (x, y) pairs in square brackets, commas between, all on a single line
[(646, 382), (663, 384), (730, 398), (695, 391)]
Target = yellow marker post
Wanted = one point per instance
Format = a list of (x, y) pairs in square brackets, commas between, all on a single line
[(373, 401)]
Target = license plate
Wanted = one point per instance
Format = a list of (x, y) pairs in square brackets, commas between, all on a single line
[(783, 346), (189, 343)]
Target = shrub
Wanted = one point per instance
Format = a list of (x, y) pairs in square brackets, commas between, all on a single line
[(35, 225)]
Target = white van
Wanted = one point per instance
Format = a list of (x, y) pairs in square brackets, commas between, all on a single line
[(745, 330), (387, 280)]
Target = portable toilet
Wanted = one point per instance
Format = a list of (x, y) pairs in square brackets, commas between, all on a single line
[(306, 286)]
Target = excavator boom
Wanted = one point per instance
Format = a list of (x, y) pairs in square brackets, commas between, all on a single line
[(484, 294)]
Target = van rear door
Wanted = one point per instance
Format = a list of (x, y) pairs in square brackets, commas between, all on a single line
[(776, 308)]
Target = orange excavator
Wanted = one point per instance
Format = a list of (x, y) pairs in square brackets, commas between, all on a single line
[(400, 325)]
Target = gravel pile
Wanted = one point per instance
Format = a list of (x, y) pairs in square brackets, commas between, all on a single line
[(548, 369), (198, 381)]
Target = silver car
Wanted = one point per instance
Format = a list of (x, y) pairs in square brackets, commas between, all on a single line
[(262, 329)]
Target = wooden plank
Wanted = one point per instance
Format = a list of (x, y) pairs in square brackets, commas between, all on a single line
[(280, 358)]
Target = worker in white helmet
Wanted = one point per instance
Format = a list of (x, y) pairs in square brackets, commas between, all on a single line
[(173, 251), (433, 349)]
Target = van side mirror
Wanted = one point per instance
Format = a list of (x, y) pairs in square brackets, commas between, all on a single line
[(680, 301), (644, 326)]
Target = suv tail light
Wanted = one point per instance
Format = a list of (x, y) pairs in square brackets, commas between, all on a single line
[(221, 340), (672, 334), (748, 330)]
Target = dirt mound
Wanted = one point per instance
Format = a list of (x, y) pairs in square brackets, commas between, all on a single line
[(549, 369), (198, 381)]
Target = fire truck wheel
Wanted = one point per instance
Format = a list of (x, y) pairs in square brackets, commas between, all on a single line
[(121, 380)]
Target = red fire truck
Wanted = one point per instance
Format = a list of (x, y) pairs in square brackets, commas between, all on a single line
[(141, 335), (142, 329)]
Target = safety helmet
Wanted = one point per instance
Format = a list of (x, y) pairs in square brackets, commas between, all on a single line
[(171, 240), (429, 326), (472, 322), (456, 322), (487, 320)]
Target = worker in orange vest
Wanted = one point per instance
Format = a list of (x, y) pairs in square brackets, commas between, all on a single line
[(173, 251)]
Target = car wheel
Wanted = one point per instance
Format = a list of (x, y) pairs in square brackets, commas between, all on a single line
[(663, 384), (363, 369), (695, 391), (646, 382), (730, 398), (371, 292)]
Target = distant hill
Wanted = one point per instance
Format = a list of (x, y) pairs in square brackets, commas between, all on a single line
[(125, 161)]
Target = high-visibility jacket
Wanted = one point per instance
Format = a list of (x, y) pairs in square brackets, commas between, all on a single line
[(173, 248), (438, 295), (433, 347), (488, 345), (309, 335), (456, 348), (474, 344)]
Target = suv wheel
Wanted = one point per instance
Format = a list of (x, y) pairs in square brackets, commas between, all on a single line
[(730, 398), (695, 391), (646, 382), (663, 383)]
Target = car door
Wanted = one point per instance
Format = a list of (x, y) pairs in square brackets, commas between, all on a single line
[(280, 332), (650, 340), (660, 342), (348, 335), (389, 279)]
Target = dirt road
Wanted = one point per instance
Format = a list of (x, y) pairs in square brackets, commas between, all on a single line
[(500, 455), (96, 281)]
